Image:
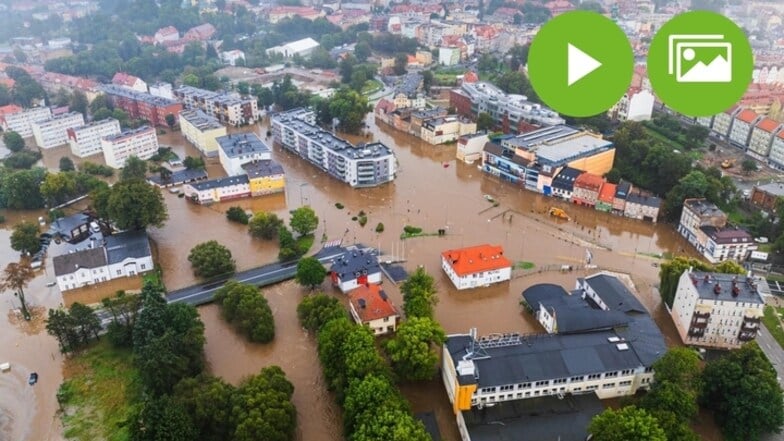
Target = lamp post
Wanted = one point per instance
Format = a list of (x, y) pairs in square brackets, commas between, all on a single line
[(301, 203)]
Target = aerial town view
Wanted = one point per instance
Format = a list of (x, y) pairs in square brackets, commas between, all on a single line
[(392, 220)]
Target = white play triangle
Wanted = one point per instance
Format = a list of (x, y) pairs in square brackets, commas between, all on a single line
[(579, 64)]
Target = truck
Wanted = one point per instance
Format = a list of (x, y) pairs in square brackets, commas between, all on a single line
[(559, 213)]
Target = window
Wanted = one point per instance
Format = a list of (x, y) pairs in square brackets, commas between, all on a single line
[(577, 379), (592, 387), (611, 374), (144, 266), (625, 383), (506, 388), (594, 376), (119, 272), (559, 381), (627, 371), (524, 385), (542, 383), (608, 385), (487, 390)]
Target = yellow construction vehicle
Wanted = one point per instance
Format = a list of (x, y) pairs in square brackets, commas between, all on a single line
[(559, 213), (727, 163)]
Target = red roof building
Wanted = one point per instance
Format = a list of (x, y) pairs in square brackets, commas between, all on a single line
[(768, 125), (470, 77), (131, 82), (747, 116), (586, 189), (606, 197), (476, 266), (202, 32), (10, 109), (370, 306), (558, 7)]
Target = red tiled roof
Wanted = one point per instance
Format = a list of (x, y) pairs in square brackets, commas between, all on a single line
[(124, 79), (376, 305), (476, 259), (747, 116), (7, 82), (70, 81), (768, 125), (589, 181), (385, 105), (470, 77), (607, 193), (10, 109), (168, 30)]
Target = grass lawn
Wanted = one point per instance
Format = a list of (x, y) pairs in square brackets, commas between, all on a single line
[(772, 322), (99, 387), (524, 265), (371, 86), (666, 141)]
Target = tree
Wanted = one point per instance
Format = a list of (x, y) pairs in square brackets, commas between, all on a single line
[(287, 244), (79, 103), (742, 390), (392, 425), (427, 80), (670, 273), (171, 120), (401, 61), (411, 349), (680, 366), (310, 272), (162, 419), (211, 259), (13, 141), (696, 134), (208, 401), (86, 321), (350, 107), (22, 160), (25, 238), (59, 324), (193, 162), (237, 214), (331, 338), (419, 294), (133, 205), (315, 311), (362, 51), (66, 164), (262, 405), (245, 307), (264, 225), (124, 309), (58, 188), (625, 424), (484, 122), (134, 168), (367, 396), (748, 165), (591, 5), (303, 220), (15, 278), (22, 189)]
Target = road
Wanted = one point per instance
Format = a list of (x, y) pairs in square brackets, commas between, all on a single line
[(776, 356)]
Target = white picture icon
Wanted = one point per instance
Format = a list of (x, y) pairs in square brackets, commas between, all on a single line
[(700, 58)]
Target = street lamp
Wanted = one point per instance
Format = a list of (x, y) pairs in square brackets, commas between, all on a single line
[(301, 203)]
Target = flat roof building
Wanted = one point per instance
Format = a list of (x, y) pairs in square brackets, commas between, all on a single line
[(86, 140), (238, 149), (202, 131), (141, 142)]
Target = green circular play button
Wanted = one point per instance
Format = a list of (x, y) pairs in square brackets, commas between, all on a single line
[(580, 63)]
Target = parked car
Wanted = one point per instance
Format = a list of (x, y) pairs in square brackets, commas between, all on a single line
[(33, 378)]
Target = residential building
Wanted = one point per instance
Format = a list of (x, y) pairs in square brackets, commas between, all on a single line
[(202, 33), (54, 132), (278, 13), (53, 82), (241, 148), (137, 105), (533, 159), (120, 255), (606, 197), (265, 177), (86, 140), (761, 139), (622, 191), (128, 81), (234, 57), (723, 122), (448, 56), (169, 33), (141, 142), (601, 343), (705, 226), (219, 189), (776, 157), (563, 183), (476, 266), (729, 242), (469, 147), (512, 113), (447, 129), (370, 306), (586, 189), (163, 90), (21, 122), (715, 310), (741, 128), (303, 48), (354, 268), (635, 105), (364, 165), (642, 206), (765, 196), (179, 177), (228, 108), (202, 131)]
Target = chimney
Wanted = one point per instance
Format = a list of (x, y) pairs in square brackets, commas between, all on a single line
[(717, 288)]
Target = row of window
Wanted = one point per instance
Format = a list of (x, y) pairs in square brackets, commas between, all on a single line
[(542, 383), (553, 391)]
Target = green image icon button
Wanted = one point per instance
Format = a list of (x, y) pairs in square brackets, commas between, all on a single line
[(580, 63), (700, 63)]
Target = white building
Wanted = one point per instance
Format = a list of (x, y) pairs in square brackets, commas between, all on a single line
[(241, 148), (232, 58), (356, 267), (448, 56), (303, 48), (776, 156), (216, 190), (741, 127), (54, 132), (705, 226), (141, 142), (761, 138), (228, 108), (722, 122), (370, 306), (715, 310), (21, 122), (163, 90), (86, 140), (476, 266), (129, 81), (469, 147), (635, 105), (121, 255)]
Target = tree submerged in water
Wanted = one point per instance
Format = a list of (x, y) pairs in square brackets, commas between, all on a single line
[(15, 278)]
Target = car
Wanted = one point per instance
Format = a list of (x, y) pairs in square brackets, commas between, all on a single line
[(94, 227), (51, 284), (33, 378)]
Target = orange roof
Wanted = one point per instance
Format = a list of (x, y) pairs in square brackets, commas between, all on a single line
[(589, 181), (10, 109), (470, 77), (607, 193), (476, 259), (768, 125), (376, 303), (747, 116)]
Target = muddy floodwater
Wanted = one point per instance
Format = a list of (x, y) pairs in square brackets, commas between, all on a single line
[(432, 191)]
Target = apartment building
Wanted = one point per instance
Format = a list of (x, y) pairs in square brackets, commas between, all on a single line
[(563, 183), (776, 158), (586, 189), (129, 81), (202, 131), (641, 206), (86, 140), (370, 306), (53, 82), (761, 139), (635, 105), (622, 191), (766, 196), (138, 105), (227, 108), (54, 132), (21, 121), (141, 142), (742, 126), (511, 113), (477, 266), (241, 148), (447, 129), (354, 268), (715, 310), (260, 177), (364, 165), (723, 122), (469, 147), (705, 226), (606, 197)]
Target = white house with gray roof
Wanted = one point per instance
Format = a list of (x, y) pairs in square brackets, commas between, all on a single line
[(236, 150)]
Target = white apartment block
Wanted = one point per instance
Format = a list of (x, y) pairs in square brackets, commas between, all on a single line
[(476, 266), (705, 226), (141, 142), (86, 140), (762, 136), (714, 310), (469, 147), (722, 122), (228, 108), (241, 148), (202, 131), (634, 105), (776, 157), (21, 122), (54, 132), (741, 127)]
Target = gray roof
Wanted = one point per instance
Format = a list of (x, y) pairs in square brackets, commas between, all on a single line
[(354, 262), (65, 225), (112, 89), (497, 150), (622, 189), (702, 207), (565, 179), (258, 169), (706, 287), (774, 188), (615, 294), (180, 176), (69, 263), (200, 120), (129, 244), (572, 313), (220, 182), (241, 144), (534, 419), (641, 199), (130, 132), (559, 145), (727, 235)]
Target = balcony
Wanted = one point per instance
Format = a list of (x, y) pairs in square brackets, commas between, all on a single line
[(702, 324), (747, 336), (701, 315), (756, 320), (696, 332)]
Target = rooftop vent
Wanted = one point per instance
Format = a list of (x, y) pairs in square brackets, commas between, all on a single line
[(613, 339), (717, 288), (383, 295), (622, 346), (362, 303), (466, 367)]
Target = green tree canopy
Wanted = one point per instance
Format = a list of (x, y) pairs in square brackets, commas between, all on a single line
[(264, 225), (25, 239), (310, 272), (316, 310), (419, 294), (237, 214), (412, 349), (485, 121), (367, 396), (628, 423), (208, 402), (13, 141), (392, 425), (134, 168), (670, 273), (21, 190), (262, 405), (210, 259), (245, 307), (58, 188), (66, 164), (303, 220), (131, 205), (162, 419)]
